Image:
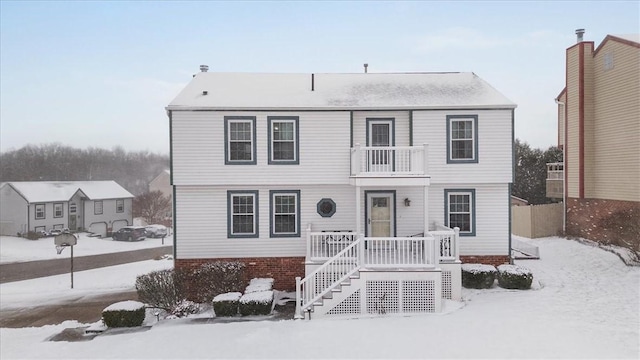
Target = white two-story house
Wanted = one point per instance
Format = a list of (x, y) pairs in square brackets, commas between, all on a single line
[(370, 188)]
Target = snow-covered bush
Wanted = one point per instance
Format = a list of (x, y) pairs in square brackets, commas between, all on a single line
[(259, 284), (124, 314), (216, 278), (256, 303), (184, 308), (226, 304), (478, 276), (161, 289), (514, 277)]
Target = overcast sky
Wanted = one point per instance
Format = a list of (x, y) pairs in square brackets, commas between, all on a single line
[(100, 73)]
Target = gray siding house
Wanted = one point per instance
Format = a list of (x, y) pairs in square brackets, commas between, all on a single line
[(94, 206)]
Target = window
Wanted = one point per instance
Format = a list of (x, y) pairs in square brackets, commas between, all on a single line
[(326, 207), (460, 210), (240, 140), (40, 213), (285, 213), (57, 210), (462, 139), (283, 140), (97, 207), (242, 219), (120, 206)]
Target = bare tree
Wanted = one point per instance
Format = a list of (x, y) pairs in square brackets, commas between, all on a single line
[(152, 206)]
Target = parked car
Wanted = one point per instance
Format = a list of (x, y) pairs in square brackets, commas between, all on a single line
[(55, 232), (129, 233), (156, 231)]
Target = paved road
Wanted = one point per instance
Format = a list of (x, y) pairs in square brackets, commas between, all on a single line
[(35, 269)]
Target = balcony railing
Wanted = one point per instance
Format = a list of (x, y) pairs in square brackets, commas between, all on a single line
[(555, 171), (555, 180), (380, 160)]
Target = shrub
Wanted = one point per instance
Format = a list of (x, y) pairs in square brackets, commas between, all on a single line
[(32, 235), (216, 278), (256, 303), (226, 304), (124, 314), (185, 308), (622, 228), (478, 276), (514, 277), (161, 289)]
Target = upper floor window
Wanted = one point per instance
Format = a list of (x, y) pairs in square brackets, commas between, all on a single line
[(40, 212), (460, 210), (242, 218), (57, 210), (462, 139), (97, 207), (285, 213), (240, 140), (283, 140), (120, 206)]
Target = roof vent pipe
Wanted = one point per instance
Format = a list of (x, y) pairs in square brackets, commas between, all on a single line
[(313, 82), (365, 68), (204, 68), (580, 33)]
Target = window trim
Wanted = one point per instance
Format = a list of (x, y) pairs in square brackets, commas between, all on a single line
[(61, 210), (474, 120), (118, 203), (44, 211), (296, 138), (227, 139), (95, 207), (256, 222), (472, 198), (272, 195)]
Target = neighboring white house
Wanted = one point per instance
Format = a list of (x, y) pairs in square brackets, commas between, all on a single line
[(344, 179), (95, 206), (162, 183)]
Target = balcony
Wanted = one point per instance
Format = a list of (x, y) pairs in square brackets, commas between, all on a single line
[(398, 165), (555, 180)]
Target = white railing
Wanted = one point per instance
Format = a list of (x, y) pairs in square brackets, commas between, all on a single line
[(328, 276), (447, 238), (399, 252), (409, 160), (325, 245)]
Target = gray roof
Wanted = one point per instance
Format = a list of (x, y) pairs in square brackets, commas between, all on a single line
[(266, 91), (48, 191)]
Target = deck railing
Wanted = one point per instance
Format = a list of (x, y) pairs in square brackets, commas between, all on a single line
[(324, 245), (399, 252), (372, 160)]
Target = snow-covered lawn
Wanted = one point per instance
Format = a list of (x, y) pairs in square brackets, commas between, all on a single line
[(15, 249), (584, 304)]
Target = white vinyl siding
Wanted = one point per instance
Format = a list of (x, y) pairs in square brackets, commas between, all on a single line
[(199, 155), (495, 161)]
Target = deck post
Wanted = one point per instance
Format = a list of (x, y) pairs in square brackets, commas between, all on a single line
[(308, 241), (426, 158), (456, 231), (358, 212), (298, 315), (357, 160), (425, 203)]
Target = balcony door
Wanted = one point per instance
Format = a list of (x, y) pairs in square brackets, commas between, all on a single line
[(380, 134)]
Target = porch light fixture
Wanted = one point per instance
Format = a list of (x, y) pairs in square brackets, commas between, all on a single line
[(407, 202)]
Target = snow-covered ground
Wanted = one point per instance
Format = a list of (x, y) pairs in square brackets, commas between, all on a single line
[(15, 249), (584, 304)]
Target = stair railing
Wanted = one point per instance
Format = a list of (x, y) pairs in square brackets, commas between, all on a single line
[(327, 277)]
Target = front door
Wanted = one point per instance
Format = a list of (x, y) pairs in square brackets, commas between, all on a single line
[(379, 135), (380, 214), (73, 210)]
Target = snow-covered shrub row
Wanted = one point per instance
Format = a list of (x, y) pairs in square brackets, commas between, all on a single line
[(478, 276), (226, 304), (259, 284), (124, 314), (514, 277), (256, 303)]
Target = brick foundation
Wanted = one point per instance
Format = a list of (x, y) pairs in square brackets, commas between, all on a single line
[(587, 218), (282, 269), (494, 260)]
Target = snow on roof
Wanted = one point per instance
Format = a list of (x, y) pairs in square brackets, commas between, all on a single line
[(264, 91), (128, 305), (47, 191), (630, 37)]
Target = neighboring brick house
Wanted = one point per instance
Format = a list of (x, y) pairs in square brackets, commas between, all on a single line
[(599, 131)]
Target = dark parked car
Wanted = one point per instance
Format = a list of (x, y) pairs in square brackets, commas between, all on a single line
[(129, 233)]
